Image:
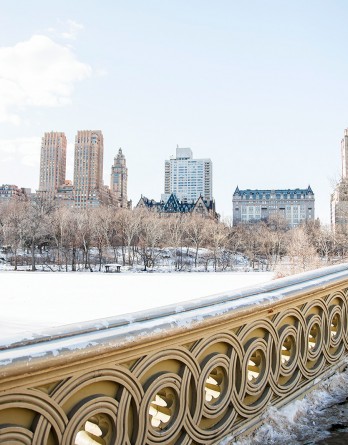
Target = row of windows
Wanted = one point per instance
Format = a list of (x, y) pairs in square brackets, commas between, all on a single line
[(277, 196)]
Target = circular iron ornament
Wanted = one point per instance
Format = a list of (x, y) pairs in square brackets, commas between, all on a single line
[(67, 391), (335, 327), (218, 411), (256, 370), (314, 337), (16, 435), (98, 407), (214, 380), (163, 409), (38, 403)]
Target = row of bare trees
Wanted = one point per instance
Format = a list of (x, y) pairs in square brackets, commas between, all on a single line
[(62, 238)]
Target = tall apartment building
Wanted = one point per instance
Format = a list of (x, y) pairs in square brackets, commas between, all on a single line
[(344, 155), (52, 162), (295, 205), (188, 178), (339, 197), (88, 168), (119, 178)]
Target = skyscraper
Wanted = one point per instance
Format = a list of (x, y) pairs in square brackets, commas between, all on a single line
[(344, 155), (52, 162), (88, 168), (188, 178), (339, 197), (119, 177)]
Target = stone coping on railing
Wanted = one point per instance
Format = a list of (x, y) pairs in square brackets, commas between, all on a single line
[(65, 344)]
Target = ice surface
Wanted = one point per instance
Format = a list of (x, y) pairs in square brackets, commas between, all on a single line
[(34, 301)]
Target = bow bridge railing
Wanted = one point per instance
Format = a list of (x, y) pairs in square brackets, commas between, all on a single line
[(188, 374)]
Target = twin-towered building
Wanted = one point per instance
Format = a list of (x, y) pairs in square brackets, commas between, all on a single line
[(87, 189)]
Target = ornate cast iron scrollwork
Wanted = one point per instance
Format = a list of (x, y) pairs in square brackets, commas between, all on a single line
[(189, 393)]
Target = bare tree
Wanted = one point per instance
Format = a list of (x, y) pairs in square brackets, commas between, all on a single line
[(84, 231), (216, 237), (13, 227), (323, 239), (301, 254), (101, 227), (176, 236), (130, 223), (150, 238), (278, 227), (36, 223), (71, 239), (197, 233), (59, 221)]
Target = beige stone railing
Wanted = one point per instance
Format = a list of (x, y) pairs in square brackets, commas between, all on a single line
[(178, 375)]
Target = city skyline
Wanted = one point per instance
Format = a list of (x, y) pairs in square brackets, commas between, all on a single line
[(260, 90)]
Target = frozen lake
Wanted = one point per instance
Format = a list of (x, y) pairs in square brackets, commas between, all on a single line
[(34, 301)]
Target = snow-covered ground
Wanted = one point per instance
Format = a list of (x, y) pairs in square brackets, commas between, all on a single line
[(34, 301), (321, 417)]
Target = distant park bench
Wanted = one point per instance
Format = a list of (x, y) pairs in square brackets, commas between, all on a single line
[(111, 268)]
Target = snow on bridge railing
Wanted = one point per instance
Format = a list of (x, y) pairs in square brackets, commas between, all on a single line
[(189, 374)]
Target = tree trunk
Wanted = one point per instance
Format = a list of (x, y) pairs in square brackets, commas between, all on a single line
[(196, 256), (73, 260), (33, 267), (130, 257), (100, 258), (115, 254), (16, 260), (123, 255)]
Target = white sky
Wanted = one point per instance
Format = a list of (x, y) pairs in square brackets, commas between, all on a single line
[(260, 87)]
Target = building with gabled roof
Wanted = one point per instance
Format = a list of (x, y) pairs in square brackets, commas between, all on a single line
[(294, 205), (173, 205)]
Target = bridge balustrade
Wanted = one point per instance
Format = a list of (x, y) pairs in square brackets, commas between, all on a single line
[(188, 374)]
